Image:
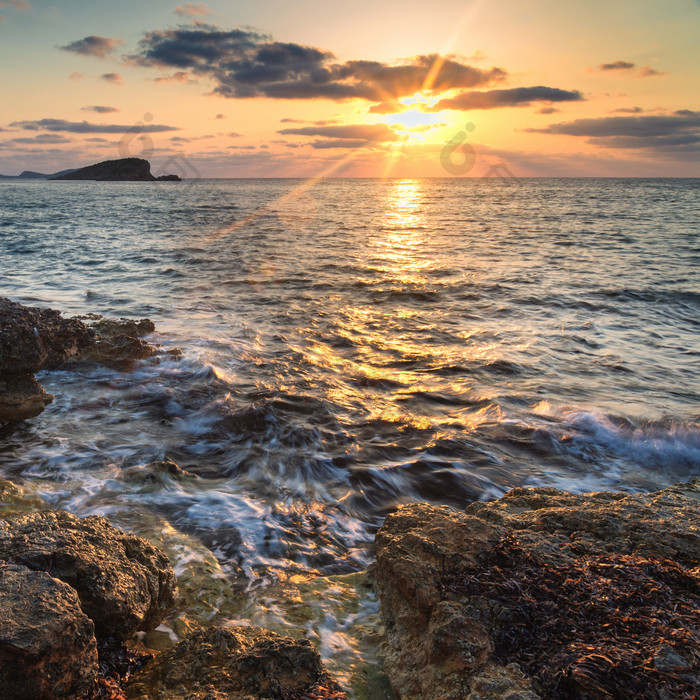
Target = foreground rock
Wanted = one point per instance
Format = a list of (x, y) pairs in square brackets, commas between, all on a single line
[(124, 169), (32, 339), (234, 663), (123, 582), (47, 644), (118, 342), (544, 594)]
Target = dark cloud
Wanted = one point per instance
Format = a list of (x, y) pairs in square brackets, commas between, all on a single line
[(629, 110), (100, 109), (62, 125), (514, 97), (661, 132), (617, 65), (244, 63), (99, 46), (363, 133), (220, 116), (192, 10), (628, 66), (41, 139), (548, 110), (112, 78), (338, 143)]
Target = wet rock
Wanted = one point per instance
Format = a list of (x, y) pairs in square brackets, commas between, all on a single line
[(47, 644), (235, 663), (156, 473), (124, 583), (32, 339), (13, 499), (21, 398), (455, 602), (118, 341)]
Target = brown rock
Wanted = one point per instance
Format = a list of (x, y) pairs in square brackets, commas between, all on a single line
[(32, 339), (47, 644), (444, 627), (230, 663), (21, 398), (124, 583)]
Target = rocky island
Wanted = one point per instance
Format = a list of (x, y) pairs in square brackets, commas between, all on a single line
[(122, 170)]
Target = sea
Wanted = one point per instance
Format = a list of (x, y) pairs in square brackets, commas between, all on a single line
[(349, 346)]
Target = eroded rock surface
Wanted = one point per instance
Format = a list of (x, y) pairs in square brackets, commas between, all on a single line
[(231, 663), (123, 582), (457, 590), (47, 644), (32, 339)]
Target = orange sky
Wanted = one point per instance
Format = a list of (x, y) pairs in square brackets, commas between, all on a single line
[(310, 88)]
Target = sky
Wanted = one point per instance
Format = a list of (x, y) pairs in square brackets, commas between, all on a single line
[(368, 88)]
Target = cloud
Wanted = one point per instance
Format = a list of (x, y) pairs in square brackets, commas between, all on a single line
[(616, 65), (98, 46), (247, 64), (649, 72), (19, 4), (628, 66), (192, 10), (62, 125), (100, 109), (40, 139), (338, 143), (220, 116), (76, 76), (629, 110), (680, 129), (114, 78), (548, 110), (514, 97), (363, 133), (180, 76)]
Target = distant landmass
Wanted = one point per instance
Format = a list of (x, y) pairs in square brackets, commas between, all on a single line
[(31, 175), (124, 169)]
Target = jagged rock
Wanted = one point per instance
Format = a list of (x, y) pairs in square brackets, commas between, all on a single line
[(21, 398), (231, 663), (124, 583), (156, 473), (118, 341), (32, 339), (445, 628), (47, 644)]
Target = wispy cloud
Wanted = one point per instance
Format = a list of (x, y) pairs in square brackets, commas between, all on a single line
[(113, 78), (616, 65), (192, 10), (98, 46), (84, 127), (362, 133), (514, 97), (244, 63), (180, 76), (629, 68), (100, 109)]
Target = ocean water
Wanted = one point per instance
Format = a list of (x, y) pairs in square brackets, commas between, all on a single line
[(349, 346)]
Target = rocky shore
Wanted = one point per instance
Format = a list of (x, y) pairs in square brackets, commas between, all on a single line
[(34, 339), (541, 594)]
